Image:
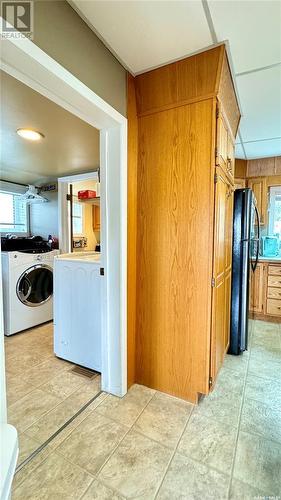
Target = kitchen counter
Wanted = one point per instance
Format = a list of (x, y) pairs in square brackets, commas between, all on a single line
[(271, 259)]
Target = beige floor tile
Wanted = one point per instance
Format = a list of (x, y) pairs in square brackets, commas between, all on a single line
[(21, 362), (228, 382), (137, 466), (127, 409), (265, 367), (91, 443), (237, 363), (31, 407), (27, 446), (243, 491), (46, 426), (97, 491), (219, 410), (63, 384), (258, 463), (264, 390), (187, 479), (67, 431), (54, 479), (209, 442), (164, 419), (16, 389), (43, 373), (262, 419)]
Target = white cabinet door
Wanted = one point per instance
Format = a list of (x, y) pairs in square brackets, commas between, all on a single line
[(77, 313)]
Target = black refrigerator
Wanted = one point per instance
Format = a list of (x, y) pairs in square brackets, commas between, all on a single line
[(245, 252)]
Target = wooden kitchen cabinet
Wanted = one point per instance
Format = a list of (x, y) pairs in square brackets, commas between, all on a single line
[(259, 187), (265, 291), (187, 118), (256, 297), (96, 217)]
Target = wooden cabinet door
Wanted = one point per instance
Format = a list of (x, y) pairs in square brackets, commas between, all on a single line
[(222, 142), (230, 155), (257, 289), (220, 259), (96, 217), (259, 187)]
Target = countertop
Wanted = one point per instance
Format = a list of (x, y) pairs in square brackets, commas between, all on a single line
[(270, 259), (89, 257)]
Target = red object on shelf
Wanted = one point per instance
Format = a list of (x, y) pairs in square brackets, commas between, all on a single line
[(86, 194)]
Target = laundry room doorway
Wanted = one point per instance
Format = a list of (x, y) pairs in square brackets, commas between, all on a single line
[(27, 63)]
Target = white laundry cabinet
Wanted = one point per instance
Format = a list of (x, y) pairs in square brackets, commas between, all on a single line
[(77, 309)]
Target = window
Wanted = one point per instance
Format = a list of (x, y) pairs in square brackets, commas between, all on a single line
[(13, 213), (274, 228), (77, 218)]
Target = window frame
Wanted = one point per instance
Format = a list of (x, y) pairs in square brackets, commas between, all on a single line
[(79, 235), (273, 192), (3, 232)]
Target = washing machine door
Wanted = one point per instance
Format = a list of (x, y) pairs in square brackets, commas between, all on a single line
[(35, 285)]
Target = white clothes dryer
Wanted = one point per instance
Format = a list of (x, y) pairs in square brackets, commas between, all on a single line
[(27, 289)]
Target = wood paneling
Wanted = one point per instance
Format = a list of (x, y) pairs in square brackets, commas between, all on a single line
[(132, 227), (175, 219), (240, 168), (174, 84), (261, 167), (277, 167)]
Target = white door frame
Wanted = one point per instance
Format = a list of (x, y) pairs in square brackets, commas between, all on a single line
[(64, 213), (26, 62)]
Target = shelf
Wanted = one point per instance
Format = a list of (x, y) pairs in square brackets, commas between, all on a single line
[(91, 201)]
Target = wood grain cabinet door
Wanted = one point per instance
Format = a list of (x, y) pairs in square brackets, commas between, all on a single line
[(222, 142), (220, 259), (96, 217), (256, 289), (259, 187)]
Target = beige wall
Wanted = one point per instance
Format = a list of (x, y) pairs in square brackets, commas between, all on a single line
[(59, 31)]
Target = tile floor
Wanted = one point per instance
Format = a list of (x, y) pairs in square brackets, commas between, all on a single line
[(149, 445)]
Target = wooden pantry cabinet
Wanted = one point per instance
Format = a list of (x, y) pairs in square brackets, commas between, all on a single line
[(185, 123)]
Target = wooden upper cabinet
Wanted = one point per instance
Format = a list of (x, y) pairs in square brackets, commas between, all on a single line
[(222, 142), (225, 145), (259, 187)]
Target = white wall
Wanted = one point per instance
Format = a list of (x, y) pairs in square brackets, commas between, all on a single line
[(44, 217)]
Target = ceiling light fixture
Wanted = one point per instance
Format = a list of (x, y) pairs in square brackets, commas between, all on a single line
[(30, 135)]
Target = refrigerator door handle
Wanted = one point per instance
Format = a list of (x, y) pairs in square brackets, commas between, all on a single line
[(254, 265)]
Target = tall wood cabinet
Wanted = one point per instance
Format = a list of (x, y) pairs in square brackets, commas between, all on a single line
[(187, 117)]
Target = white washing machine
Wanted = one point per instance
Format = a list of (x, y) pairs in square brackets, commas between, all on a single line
[(27, 289)]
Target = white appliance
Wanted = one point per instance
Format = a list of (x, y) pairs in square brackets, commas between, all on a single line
[(77, 308), (27, 289)]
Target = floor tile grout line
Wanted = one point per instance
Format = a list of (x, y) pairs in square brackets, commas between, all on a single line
[(49, 411), (58, 431), (240, 415), (127, 432), (55, 450), (173, 453)]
